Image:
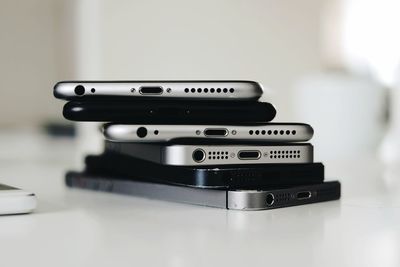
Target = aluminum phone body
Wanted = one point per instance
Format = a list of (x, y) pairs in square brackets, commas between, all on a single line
[(272, 132), (217, 177), (227, 199), (216, 90), (16, 201), (187, 155)]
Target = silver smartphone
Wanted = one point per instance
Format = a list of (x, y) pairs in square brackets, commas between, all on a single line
[(190, 155), (213, 90), (272, 132), (226, 199)]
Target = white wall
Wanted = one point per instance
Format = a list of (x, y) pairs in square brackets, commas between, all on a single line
[(273, 42), (42, 41), (28, 61)]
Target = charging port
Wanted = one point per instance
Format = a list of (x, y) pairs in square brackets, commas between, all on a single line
[(150, 90), (249, 154), (216, 132), (303, 195)]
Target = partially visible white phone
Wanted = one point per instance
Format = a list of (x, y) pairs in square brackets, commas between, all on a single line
[(16, 201)]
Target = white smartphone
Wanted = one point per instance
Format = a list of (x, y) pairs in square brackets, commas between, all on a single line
[(190, 155), (271, 132), (16, 201), (212, 90)]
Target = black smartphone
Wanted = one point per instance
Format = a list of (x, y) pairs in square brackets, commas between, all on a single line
[(260, 199), (170, 112), (223, 176)]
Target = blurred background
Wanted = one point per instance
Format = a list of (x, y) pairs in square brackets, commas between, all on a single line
[(331, 63)]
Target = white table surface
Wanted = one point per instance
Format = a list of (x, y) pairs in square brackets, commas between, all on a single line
[(74, 227)]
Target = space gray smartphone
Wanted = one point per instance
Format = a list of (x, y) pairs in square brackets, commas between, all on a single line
[(214, 154), (228, 199), (215, 90), (271, 132)]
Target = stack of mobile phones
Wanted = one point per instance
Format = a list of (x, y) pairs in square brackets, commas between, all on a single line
[(200, 142)]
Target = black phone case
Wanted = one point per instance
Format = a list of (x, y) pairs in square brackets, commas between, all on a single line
[(170, 112), (228, 176)]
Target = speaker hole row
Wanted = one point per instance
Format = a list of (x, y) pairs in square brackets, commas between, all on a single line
[(217, 157), (269, 132), (284, 156), (211, 90), (282, 197), (217, 153), (284, 152)]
